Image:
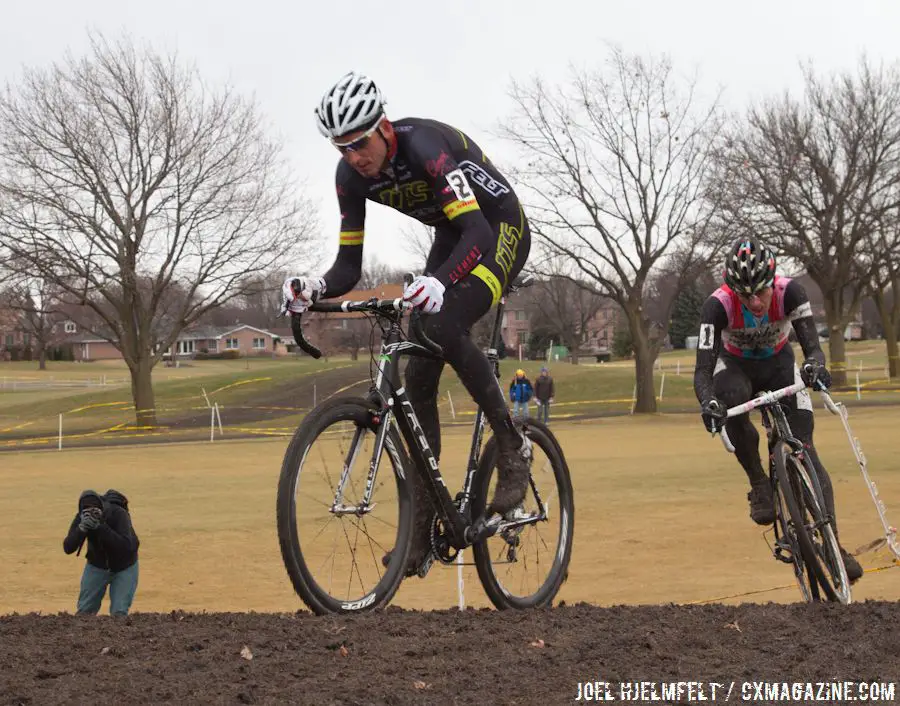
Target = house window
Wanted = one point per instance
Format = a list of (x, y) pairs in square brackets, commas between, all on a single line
[(520, 315), (70, 327), (231, 344), (523, 337), (26, 339), (9, 340), (185, 347), (213, 346), (259, 343)]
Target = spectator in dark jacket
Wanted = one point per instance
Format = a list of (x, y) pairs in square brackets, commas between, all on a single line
[(520, 392), (543, 395), (112, 554)]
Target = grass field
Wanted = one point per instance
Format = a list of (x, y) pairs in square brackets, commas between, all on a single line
[(661, 516), (269, 396)]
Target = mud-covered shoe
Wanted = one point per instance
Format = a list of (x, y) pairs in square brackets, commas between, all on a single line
[(419, 560), (513, 471), (854, 570), (762, 504)]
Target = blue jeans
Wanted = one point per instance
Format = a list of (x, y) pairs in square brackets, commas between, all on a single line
[(543, 412), (122, 587), (520, 409)]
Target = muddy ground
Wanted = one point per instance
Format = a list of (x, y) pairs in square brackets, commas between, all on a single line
[(447, 657)]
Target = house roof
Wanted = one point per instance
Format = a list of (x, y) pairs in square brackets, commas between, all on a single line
[(206, 333)]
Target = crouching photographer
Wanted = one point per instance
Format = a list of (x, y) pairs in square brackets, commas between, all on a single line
[(112, 554)]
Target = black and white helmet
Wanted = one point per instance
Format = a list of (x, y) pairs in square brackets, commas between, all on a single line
[(749, 267), (353, 103)]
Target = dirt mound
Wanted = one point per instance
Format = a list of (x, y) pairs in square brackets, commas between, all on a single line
[(471, 657)]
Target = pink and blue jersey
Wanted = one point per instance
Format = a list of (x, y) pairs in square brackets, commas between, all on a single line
[(747, 336)]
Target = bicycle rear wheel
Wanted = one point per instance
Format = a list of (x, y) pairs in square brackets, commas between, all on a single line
[(331, 542), (525, 566)]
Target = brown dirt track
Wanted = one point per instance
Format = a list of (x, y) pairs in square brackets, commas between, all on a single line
[(447, 657)]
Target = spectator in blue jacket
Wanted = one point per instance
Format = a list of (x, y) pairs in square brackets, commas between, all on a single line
[(520, 393)]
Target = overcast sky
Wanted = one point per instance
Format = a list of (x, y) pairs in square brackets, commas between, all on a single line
[(452, 60)]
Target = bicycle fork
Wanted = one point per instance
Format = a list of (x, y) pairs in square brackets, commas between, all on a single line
[(381, 441)]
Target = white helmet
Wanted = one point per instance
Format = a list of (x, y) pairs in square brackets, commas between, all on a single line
[(353, 103)]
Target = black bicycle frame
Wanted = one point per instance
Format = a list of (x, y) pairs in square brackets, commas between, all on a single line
[(391, 397)]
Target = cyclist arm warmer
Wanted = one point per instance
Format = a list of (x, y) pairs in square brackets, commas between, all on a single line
[(347, 268), (454, 193), (713, 319), (797, 308)]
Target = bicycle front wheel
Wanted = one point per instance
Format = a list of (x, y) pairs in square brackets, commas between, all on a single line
[(829, 564), (332, 540), (525, 566), (813, 531)]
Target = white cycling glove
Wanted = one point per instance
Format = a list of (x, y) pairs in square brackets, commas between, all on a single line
[(298, 299), (425, 293)]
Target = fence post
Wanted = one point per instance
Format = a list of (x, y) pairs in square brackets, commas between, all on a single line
[(59, 447), (634, 398), (459, 580), (858, 395), (212, 423), (219, 417), (314, 394), (678, 368), (662, 384), (450, 400)]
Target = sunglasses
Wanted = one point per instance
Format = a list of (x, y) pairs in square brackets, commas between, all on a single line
[(360, 142)]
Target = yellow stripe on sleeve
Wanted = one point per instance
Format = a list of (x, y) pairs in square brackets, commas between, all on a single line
[(457, 208), (351, 237)]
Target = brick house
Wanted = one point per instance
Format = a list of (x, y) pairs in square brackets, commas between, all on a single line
[(244, 339), (515, 327)]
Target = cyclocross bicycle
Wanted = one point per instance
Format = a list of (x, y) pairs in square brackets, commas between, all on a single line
[(340, 510), (804, 530)]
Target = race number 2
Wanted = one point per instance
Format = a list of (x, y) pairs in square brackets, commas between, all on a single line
[(460, 185)]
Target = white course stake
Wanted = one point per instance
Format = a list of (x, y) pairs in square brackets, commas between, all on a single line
[(459, 580)]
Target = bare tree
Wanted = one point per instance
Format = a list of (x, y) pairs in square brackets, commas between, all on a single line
[(35, 304), (883, 247), (122, 175), (814, 176), (616, 163), (564, 308), (419, 239), (376, 273)]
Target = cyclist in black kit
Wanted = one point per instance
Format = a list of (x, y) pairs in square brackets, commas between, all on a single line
[(743, 349), (439, 176)]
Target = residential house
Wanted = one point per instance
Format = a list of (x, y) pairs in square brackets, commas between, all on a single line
[(242, 338)]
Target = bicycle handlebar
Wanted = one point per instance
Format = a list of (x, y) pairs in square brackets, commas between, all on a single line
[(769, 398), (373, 306)]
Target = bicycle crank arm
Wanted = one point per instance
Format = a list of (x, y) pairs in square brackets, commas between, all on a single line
[(483, 528)]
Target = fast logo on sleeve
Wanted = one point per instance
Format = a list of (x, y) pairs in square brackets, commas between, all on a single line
[(465, 197)]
